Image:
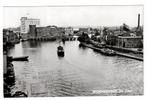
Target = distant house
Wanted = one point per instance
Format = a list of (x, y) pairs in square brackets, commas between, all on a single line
[(84, 30), (69, 31), (32, 31), (24, 26), (75, 31), (111, 39), (61, 30), (37, 32), (129, 41), (9, 36), (25, 22)]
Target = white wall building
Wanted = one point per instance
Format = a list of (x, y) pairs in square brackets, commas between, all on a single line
[(68, 30), (25, 22)]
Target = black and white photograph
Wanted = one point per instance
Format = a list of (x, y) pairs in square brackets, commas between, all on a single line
[(73, 51)]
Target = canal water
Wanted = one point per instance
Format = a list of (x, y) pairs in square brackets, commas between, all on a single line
[(81, 72)]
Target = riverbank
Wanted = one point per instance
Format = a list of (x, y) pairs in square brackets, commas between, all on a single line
[(9, 79), (9, 73), (126, 50), (129, 54), (52, 38), (9, 82)]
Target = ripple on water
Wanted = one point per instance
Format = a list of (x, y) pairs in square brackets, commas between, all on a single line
[(79, 73)]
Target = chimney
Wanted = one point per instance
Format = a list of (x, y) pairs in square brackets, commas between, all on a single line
[(138, 21)]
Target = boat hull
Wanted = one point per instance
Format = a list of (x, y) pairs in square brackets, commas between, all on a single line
[(25, 58), (60, 53), (108, 53)]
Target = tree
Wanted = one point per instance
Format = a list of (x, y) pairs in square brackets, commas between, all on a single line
[(84, 38)]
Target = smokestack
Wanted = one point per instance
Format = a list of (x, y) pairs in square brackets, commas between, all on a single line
[(138, 21)]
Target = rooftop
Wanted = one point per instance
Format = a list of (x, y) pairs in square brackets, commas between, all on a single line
[(29, 18)]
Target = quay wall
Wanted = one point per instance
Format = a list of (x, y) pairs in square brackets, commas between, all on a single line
[(126, 50), (129, 56), (67, 38), (117, 53)]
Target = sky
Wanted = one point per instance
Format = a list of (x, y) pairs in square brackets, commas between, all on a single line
[(92, 16)]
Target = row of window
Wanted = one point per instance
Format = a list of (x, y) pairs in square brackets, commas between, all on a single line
[(33, 22)]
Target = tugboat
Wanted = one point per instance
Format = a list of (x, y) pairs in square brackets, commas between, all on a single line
[(60, 51), (108, 52)]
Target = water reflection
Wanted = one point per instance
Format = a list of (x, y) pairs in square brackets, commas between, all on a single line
[(82, 47), (78, 73), (60, 58), (34, 44)]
